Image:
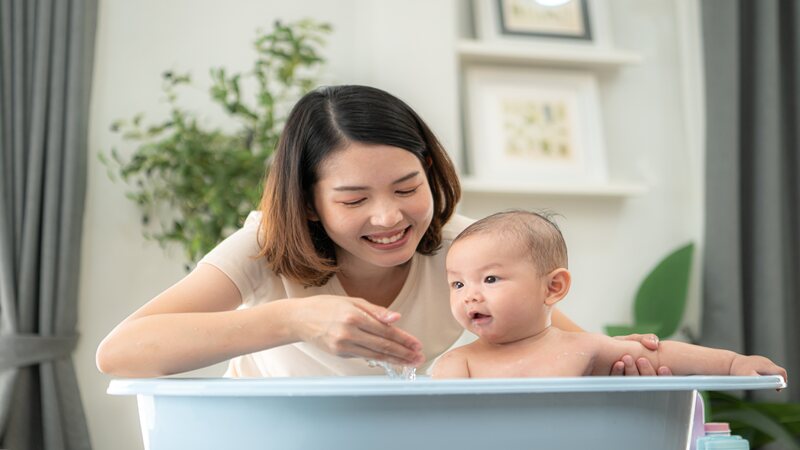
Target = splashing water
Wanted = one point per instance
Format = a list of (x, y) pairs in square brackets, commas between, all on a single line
[(395, 372)]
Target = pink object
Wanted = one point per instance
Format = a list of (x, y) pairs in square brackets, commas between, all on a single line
[(698, 430), (717, 427)]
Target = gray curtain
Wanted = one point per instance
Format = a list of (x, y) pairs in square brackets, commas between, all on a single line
[(752, 254), (46, 49)]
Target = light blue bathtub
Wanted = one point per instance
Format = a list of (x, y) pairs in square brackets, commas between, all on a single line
[(355, 413)]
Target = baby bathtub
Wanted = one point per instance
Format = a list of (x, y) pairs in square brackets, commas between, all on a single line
[(356, 413)]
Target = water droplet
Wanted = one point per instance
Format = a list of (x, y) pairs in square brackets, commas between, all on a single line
[(398, 372)]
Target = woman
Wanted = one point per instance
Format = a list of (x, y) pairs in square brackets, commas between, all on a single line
[(344, 262)]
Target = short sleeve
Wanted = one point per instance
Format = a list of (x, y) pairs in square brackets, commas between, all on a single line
[(236, 257), (454, 226)]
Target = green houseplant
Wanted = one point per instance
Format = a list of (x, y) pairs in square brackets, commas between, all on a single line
[(195, 184), (661, 298)]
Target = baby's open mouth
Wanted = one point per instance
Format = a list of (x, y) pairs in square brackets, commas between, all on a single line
[(474, 315)]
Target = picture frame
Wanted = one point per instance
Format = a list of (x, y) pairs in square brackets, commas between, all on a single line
[(534, 126), (579, 22)]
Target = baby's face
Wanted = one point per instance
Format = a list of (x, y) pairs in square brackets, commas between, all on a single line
[(495, 290)]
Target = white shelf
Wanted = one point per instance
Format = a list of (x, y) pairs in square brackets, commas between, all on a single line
[(609, 189), (563, 55)]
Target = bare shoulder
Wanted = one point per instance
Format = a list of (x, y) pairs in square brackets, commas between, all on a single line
[(594, 337), (585, 340), (458, 353), (452, 364)]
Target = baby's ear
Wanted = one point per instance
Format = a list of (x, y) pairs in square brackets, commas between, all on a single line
[(558, 283)]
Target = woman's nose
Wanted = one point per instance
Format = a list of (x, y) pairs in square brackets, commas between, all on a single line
[(386, 215)]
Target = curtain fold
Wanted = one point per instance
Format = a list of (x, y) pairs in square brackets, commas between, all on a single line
[(46, 58), (752, 254)]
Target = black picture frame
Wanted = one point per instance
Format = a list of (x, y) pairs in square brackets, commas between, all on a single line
[(586, 35)]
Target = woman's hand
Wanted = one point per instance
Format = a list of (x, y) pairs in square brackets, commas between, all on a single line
[(628, 367), (354, 328)]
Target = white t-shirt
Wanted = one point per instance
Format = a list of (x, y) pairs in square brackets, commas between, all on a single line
[(423, 302)]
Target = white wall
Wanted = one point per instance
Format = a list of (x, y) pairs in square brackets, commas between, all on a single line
[(405, 47), (651, 134)]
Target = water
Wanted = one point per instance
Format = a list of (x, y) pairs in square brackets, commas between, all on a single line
[(568, 354), (395, 372)]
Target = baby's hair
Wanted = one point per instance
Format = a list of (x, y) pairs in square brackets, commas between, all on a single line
[(535, 230)]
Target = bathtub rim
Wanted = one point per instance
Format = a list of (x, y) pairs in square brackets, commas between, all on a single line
[(383, 386)]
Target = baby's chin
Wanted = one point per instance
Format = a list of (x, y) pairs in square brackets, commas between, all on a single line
[(491, 337), (498, 337)]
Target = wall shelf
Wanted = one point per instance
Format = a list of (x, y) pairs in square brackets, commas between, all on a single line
[(608, 189), (564, 55)]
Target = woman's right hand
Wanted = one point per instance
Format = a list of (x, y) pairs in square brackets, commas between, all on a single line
[(354, 328), (628, 367)]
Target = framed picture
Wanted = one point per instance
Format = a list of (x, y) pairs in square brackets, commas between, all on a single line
[(534, 126), (571, 20)]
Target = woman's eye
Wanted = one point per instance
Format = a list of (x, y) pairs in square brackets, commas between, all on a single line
[(354, 202), (490, 279), (457, 284), (407, 192)]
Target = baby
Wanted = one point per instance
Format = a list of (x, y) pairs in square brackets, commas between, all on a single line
[(506, 272)]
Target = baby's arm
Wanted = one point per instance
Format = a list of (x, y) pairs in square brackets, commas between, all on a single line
[(452, 364), (684, 359)]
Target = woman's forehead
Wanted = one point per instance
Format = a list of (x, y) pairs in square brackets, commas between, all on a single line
[(361, 163)]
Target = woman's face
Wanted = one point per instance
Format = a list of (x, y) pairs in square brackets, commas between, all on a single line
[(374, 202)]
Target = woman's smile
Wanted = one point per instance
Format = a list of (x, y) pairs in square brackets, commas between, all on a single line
[(389, 240)]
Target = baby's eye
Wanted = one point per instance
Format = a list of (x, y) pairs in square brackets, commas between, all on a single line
[(457, 284), (490, 279)]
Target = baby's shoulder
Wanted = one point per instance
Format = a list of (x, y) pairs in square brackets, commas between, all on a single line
[(463, 353), (458, 352), (584, 339), (452, 364)]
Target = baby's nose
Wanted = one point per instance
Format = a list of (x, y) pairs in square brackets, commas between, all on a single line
[(473, 297)]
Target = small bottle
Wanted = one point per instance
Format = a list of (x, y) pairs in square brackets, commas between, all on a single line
[(718, 437)]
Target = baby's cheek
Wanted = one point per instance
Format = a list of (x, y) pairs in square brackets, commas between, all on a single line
[(457, 310), (453, 308)]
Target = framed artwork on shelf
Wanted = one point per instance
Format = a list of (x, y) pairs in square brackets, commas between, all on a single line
[(533, 126), (573, 21)]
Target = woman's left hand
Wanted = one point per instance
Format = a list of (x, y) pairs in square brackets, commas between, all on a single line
[(628, 367)]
